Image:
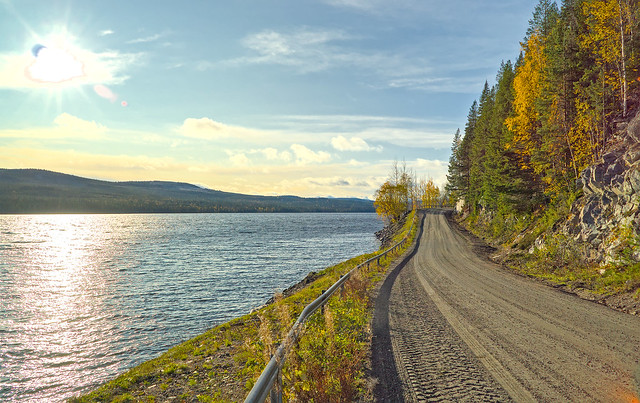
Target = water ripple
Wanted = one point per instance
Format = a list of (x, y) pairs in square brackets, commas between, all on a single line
[(85, 297)]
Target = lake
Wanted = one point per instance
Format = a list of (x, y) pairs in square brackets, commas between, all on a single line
[(85, 297)]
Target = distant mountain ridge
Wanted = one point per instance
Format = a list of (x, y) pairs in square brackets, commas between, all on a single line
[(24, 191)]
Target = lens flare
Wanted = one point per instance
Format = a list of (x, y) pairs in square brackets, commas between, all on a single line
[(105, 92)]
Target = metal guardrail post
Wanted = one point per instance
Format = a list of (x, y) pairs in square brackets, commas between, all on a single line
[(276, 390)]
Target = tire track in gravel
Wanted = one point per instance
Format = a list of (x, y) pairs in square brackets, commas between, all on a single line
[(451, 326)]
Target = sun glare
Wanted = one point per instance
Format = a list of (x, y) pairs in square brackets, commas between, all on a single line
[(53, 65), (55, 60)]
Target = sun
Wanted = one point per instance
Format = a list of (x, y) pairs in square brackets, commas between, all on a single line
[(55, 60)]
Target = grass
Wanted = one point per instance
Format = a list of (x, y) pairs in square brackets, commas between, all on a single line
[(561, 259), (223, 363)]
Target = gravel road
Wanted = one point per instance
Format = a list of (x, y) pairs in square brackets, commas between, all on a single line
[(451, 326)]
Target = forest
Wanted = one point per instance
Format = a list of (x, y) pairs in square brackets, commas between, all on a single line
[(552, 112)]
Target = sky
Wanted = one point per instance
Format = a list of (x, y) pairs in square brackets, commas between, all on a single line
[(272, 97)]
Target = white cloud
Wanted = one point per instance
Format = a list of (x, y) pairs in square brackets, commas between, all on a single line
[(273, 154), (75, 124), (419, 137), (390, 8), (356, 163), (65, 126), (203, 128), (239, 159), (93, 165), (461, 85), (106, 32), (306, 49), (341, 143), (208, 129), (305, 156), (358, 4), (356, 134), (397, 130), (150, 38)]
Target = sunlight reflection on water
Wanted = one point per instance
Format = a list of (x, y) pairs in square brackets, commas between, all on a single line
[(85, 297)]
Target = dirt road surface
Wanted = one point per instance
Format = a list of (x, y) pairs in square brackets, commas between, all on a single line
[(451, 326)]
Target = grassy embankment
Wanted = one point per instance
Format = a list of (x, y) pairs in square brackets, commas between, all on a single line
[(561, 260), (329, 362)]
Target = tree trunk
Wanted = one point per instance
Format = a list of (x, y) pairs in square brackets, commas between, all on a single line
[(623, 75)]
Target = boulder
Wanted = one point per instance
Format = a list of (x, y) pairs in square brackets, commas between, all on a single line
[(633, 128)]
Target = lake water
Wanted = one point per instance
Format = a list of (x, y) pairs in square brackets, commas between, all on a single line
[(85, 297)]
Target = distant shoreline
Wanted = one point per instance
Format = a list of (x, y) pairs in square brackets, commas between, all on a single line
[(199, 212), (33, 191)]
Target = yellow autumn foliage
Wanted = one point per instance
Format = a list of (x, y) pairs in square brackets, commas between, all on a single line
[(527, 86)]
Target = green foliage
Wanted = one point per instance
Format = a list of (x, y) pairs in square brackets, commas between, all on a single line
[(327, 364), (553, 112), (559, 254)]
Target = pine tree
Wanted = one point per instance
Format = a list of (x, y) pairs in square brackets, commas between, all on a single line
[(464, 154), (478, 150), (455, 180)]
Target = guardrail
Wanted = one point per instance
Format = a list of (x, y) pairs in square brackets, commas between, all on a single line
[(270, 381)]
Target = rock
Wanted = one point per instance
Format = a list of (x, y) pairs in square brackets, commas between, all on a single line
[(610, 200), (589, 213), (629, 208), (386, 234), (593, 238), (633, 129), (621, 126), (633, 154), (633, 176), (606, 200), (614, 170), (597, 175)]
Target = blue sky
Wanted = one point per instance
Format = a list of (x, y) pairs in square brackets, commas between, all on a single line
[(312, 98)]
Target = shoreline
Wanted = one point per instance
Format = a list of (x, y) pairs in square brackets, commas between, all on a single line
[(227, 373)]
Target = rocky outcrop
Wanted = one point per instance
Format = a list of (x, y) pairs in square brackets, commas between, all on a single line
[(608, 212)]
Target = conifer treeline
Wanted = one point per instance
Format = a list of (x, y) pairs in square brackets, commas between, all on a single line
[(551, 113)]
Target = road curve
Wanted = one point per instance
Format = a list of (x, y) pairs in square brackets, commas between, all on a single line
[(451, 326)]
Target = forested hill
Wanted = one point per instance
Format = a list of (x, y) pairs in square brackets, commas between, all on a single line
[(548, 166), (553, 112), (39, 191)]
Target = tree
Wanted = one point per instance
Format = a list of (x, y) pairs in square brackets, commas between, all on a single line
[(455, 180), (464, 153), (393, 198), (478, 149), (527, 86), (429, 193), (609, 27)]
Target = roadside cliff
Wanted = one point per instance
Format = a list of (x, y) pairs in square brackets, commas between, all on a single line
[(590, 247), (606, 218)]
